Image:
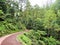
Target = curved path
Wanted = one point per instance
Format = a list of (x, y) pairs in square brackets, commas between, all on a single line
[(11, 40)]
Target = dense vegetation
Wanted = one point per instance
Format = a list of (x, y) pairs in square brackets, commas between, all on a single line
[(45, 21), (37, 38)]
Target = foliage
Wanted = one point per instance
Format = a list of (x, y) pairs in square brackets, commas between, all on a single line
[(24, 39), (45, 21), (51, 41), (1, 14), (37, 24), (38, 38), (3, 6), (50, 19)]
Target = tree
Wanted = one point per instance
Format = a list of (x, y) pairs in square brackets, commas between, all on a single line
[(55, 6), (21, 4), (49, 21), (3, 6)]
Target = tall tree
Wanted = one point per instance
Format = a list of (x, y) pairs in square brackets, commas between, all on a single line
[(49, 21)]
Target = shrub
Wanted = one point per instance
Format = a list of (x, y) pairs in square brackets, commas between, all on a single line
[(38, 38), (51, 41), (1, 14), (37, 25), (24, 39)]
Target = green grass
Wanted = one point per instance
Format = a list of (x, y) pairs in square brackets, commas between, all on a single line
[(25, 40)]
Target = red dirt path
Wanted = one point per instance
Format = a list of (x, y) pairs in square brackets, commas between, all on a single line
[(11, 40)]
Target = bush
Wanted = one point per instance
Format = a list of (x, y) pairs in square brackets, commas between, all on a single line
[(37, 25), (7, 28), (24, 39), (51, 41), (1, 14), (38, 38), (21, 26)]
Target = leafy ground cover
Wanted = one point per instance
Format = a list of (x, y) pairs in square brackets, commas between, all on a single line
[(37, 38)]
